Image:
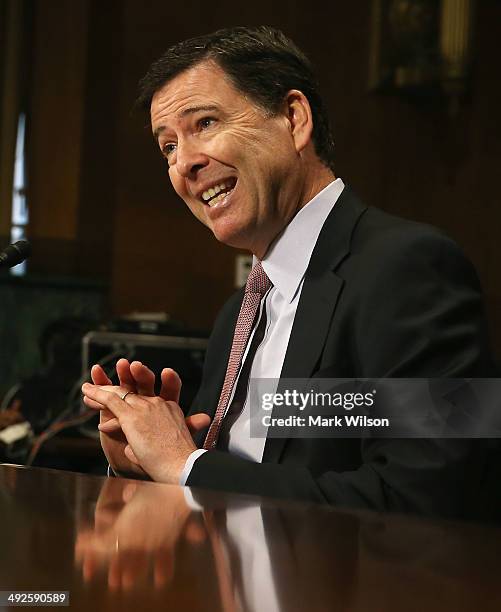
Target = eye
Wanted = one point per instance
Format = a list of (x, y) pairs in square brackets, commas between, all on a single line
[(206, 122), (168, 148)]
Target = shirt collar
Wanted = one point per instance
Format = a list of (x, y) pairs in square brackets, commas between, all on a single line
[(287, 259)]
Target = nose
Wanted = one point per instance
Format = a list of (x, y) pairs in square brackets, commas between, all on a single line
[(190, 159)]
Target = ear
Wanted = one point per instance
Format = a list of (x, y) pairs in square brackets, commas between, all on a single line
[(298, 112)]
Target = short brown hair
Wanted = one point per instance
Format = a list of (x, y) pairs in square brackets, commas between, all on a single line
[(261, 62)]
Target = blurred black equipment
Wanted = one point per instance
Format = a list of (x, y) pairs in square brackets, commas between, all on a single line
[(185, 354), (46, 409), (15, 254), (46, 400)]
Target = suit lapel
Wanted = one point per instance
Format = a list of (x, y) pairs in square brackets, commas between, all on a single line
[(319, 296), (311, 324)]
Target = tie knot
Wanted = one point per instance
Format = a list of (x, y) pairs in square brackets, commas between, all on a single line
[(257, 282)]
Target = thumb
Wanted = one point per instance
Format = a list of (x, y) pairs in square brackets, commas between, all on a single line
[(129, 453), (196, 422)]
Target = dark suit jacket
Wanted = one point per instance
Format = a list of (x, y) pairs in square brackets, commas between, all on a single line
[(382, 297)]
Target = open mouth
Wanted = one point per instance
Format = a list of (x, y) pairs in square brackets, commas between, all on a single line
[(218, 192)]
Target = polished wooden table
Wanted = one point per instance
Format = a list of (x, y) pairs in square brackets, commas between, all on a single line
[(118, 544)]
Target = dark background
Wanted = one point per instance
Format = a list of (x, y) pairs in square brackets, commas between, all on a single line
[(101, 206)]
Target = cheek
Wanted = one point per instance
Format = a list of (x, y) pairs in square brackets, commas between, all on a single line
[(177, 183)]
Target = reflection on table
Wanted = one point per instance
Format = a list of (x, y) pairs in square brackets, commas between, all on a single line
[(121, 544)]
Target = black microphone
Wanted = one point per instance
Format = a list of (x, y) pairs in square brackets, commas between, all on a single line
[(15, 254)]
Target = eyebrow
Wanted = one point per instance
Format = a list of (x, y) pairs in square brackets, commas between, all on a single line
[(187, 111)]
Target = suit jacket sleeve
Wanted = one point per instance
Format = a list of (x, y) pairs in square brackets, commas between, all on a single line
[(415, 311)]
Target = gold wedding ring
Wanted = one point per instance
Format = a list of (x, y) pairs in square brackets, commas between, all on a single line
[(126, 394)]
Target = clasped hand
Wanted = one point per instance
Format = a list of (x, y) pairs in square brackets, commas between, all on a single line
[(144, 435), (136, 529)]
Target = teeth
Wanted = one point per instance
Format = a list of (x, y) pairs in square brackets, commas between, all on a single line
[(215, 201), (210, 193)]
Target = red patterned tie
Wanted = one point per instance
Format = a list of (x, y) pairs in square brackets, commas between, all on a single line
[(257, 285)]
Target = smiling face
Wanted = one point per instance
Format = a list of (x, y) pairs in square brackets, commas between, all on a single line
[(240, 172)]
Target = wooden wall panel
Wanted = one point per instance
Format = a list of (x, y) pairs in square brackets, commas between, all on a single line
[(56, 131), (72, 153), (98, 178)]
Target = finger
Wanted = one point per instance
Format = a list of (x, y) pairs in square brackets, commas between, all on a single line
[(197, 422), (129, 453), (195, 533), (99, 376), (135, 566), (92, 404), (125, 377), (115, 572), (171, 385), (163, 568), (119, 391), (105, 415), (105, 520), (109, 426), (143, 377), (107, 399), (81, 545), (110, 497), (128, 492), (89, 565)]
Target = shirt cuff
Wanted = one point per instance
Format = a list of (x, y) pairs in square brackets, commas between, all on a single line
[(190, 500), (188, 466)]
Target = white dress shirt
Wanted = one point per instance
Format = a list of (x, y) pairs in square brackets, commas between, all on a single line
[(245, 529), (285, 263)]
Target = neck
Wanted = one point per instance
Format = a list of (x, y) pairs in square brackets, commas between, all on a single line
[(313, 184), (322, 177)]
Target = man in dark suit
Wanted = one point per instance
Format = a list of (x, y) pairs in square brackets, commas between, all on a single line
[(337, 290)]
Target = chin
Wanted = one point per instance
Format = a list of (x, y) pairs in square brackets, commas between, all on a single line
[(232, 236)]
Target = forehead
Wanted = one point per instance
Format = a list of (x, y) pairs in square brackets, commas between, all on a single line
[(203, 85)]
